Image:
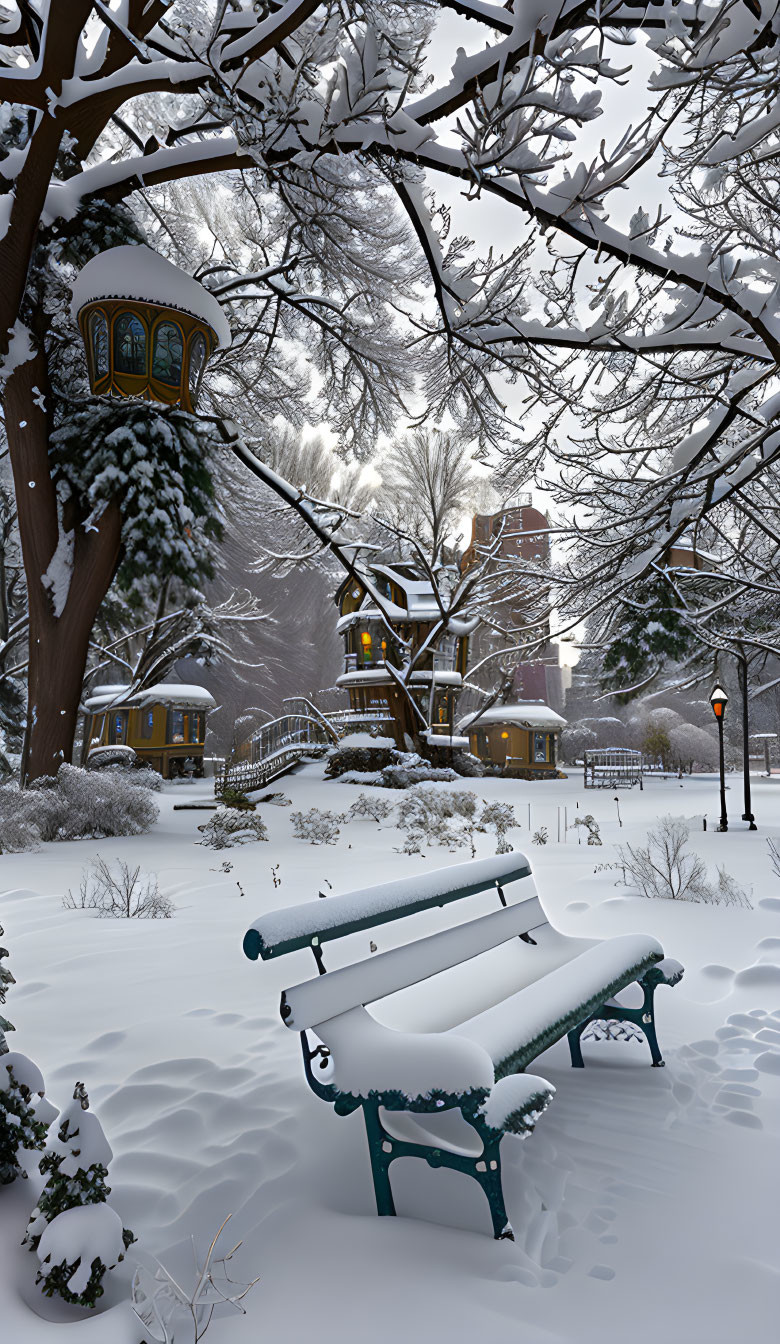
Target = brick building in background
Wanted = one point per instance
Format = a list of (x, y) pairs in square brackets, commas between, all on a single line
[(523, 535)]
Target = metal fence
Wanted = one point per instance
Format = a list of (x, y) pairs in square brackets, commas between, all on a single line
[(612, 768)]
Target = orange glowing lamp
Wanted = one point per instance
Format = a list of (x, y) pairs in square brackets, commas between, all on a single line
[(719, 700)]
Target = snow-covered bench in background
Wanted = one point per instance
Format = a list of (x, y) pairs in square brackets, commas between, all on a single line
[(457, 1015)]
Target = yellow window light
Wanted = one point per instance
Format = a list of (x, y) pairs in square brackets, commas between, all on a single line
[(505, 735)]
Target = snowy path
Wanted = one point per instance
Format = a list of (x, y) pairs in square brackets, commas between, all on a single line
[(644, 1204)]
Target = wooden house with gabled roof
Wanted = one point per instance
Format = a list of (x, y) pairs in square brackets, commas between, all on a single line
[(399, 664)]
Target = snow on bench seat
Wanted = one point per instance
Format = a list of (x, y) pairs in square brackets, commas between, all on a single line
[(522, 1026), (327, 996), (314, 922), (369, 1058)]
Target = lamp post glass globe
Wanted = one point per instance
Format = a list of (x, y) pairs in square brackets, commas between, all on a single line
[(719, 700)]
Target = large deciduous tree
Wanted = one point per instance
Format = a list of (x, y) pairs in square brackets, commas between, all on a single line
[(335, 125)]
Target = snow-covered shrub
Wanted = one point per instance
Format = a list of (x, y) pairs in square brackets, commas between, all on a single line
[(442, 816), (232, 826), (591, 826), (77, 1249), (501, 816), (114, 757), (663, 869), (19, 1126), (540, 837), (76, 805), (357, 753), (316, 827), (117, 891), (408, 769), (168, 1311), (366, 805), (75, 1257), (466, 764)]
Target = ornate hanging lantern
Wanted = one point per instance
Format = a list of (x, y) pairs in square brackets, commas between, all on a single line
[(148, 327)]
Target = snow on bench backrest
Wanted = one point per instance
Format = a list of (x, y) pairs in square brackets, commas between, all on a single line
[(326, 996), (316, 922)]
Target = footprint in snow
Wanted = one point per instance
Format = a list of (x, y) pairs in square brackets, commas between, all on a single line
[(744, 1118), (768, 1062), (760, 976), (601, 1272)]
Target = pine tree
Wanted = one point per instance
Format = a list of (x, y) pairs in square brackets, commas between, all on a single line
[(19, 1126), (77, 1166), (647, 632), (6, 979), (19, 1078)]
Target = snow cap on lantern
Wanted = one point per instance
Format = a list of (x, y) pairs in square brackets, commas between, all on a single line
[(147, 326)]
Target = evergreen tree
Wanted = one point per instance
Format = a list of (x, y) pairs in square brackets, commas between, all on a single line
[(77, 1166), (19, 1078), (76, 1250), (6, 979), (19, 1126), (648, 631)]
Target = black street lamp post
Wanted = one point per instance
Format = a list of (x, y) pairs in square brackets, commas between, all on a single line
[(719, 700), (742, 668)]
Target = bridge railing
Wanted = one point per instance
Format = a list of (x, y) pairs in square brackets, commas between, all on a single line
[(274, 749)]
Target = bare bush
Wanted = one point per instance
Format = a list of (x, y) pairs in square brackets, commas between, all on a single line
[(117, 891), (774, 855), (377, 809), (663, 869), (169, 1311), (318, 828)]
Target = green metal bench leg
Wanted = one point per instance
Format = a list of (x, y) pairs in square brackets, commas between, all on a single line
[(643, 1018), (380, 1162), (652, 1040), (575, 1048), (491, 1183)]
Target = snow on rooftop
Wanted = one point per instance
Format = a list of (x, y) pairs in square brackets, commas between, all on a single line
[(131, 272), (163, 693), (173, 693), (524, 715), (105, 695)]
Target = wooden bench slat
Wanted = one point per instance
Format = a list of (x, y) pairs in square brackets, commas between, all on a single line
[(314, 922), (327, 996)]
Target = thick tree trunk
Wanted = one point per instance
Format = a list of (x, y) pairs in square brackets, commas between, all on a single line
[(68, 567)]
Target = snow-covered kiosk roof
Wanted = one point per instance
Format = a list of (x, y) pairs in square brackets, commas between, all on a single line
[(174, 694), (136, 272), (531, 714), (148, 328)]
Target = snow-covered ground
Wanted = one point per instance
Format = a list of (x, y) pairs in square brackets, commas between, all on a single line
[(644, 1205)]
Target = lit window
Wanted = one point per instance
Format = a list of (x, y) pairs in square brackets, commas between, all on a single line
[(505, 735), (175, 725), (167, 354), (541, 748), (365, 640), (129, 345)]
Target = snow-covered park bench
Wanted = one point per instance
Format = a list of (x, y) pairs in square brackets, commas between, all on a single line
[(431, 1038)]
